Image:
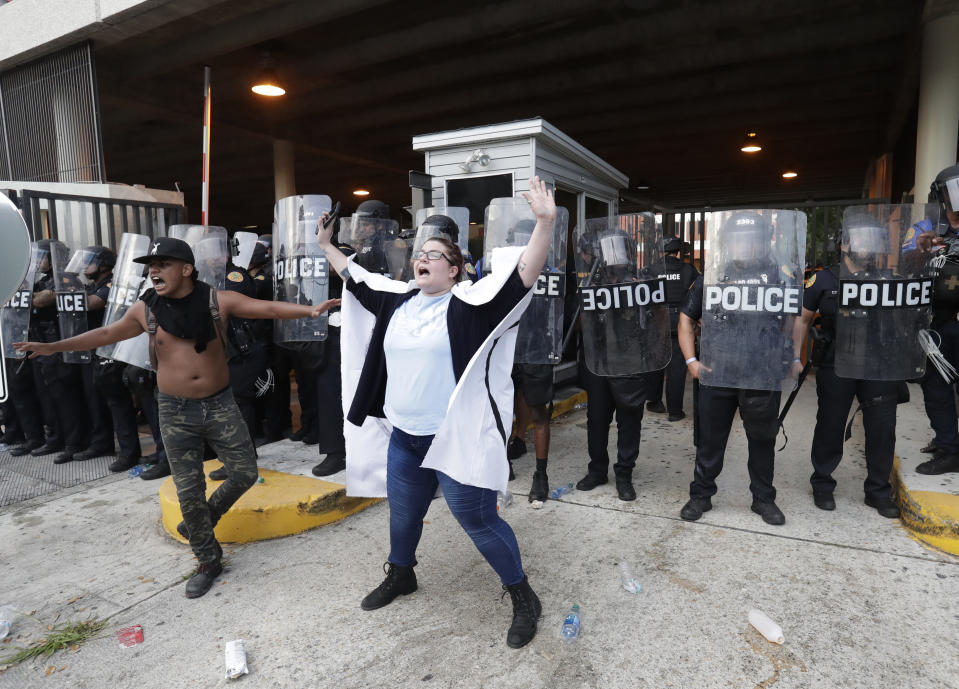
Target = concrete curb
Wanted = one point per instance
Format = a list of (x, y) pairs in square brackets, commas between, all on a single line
[(931, 517)]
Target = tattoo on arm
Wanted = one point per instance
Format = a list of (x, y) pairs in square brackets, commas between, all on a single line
[(522, 266)]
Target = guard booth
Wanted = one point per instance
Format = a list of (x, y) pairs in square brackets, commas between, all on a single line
[(87, 214), (469, 167)]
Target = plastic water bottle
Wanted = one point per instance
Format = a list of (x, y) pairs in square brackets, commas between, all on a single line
[(6, 621), (135, 471), (503, 500), (630, 583), (571, 624), (560, 491), (4, 447)]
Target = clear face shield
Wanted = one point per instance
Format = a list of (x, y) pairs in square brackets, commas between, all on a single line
[(362, 227), (747, 245), (42, 260), (865, 244), (950, 195), (84, 265)]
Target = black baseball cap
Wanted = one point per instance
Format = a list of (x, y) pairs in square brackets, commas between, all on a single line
[(168, 247)]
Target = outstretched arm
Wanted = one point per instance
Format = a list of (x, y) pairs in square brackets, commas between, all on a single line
[(236, 304), (129, 326), (544, 208)]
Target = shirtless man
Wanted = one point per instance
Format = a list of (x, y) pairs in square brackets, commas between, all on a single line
[(195, 401)]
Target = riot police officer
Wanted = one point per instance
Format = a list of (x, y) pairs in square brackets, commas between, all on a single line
[(864, 347), (939, 395), (679, 277), (746, 310)]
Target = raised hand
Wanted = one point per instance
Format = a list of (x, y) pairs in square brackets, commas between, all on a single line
[(540, 200), (324, 307)]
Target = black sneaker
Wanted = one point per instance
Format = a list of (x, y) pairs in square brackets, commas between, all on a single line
[(884, 506), (625, 490), (92, 452), (940, 464), (159, 470), (824, 501), (333, 463), (769, 512), (123, 463), (694, 509), (65, 456), (590, 481), (677, 417), (46, 449), (511, 474), (656, 407), (515, 448), (540, 488), (399, 581), (201, 582), (26, 449), (930, 448), (311, 438), (219, 474)]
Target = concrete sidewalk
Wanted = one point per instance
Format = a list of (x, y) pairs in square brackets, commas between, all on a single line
[(861, 603)]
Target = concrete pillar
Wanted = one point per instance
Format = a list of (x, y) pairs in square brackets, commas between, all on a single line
[(936, 135), (284, 174)]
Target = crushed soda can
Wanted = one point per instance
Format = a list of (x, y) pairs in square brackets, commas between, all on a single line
[(130, 636), (235, 654)]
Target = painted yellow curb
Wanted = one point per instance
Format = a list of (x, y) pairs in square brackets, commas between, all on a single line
[(568, 404), (282, 505), (932, 517)]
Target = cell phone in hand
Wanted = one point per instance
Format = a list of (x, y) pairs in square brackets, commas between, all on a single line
[(332, 216)]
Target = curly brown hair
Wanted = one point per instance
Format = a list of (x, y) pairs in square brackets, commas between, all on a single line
[(453, 254)]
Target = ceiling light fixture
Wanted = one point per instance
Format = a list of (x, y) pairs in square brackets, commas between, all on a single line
[(361, 192), (751, 143), (267, 83), (790, 174)]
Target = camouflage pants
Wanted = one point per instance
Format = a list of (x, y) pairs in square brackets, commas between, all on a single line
[(185, 424)]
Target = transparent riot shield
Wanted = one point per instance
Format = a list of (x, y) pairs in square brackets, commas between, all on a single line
[(301, 271), (210, 251), (624, 317), (127, 285), (241, 248), (885, 292), (425, 230), (377, 244), (71, 293), (15, 314), (510, 222), (752, 294)]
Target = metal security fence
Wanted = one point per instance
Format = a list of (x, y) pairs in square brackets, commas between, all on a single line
[(823, 224), (50, 119), (85, 220)]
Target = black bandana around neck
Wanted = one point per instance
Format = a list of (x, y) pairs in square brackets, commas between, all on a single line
[(188, 317)]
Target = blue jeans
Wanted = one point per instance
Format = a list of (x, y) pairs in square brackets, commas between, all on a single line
[(410, 489)]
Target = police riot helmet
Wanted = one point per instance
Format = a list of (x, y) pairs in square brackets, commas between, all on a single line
[(672, 244), (43, 253), (945, 188), (520, 235), (444, 224), (373, 208), (266, 240), (747, 235)]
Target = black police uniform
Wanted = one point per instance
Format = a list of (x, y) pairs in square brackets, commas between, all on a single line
[(23, 398), (759, 410), (939, 396), (249, 361), (835, 395), (329, 384), (101, 421), (678, 277), (61, 383)]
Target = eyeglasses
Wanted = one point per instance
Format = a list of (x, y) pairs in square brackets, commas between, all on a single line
[(431, 255)]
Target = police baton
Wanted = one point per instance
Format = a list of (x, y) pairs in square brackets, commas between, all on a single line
[(579, 307)]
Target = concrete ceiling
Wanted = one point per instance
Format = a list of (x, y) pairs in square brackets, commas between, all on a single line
[(662, 89)]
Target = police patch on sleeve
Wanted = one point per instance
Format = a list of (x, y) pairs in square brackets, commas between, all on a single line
[(810, 281), (234, 276)]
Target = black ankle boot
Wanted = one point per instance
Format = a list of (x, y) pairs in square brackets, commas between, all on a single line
[(526, 611), (399, 581)]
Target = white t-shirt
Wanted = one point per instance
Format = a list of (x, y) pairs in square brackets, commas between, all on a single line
[(419, 365)]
